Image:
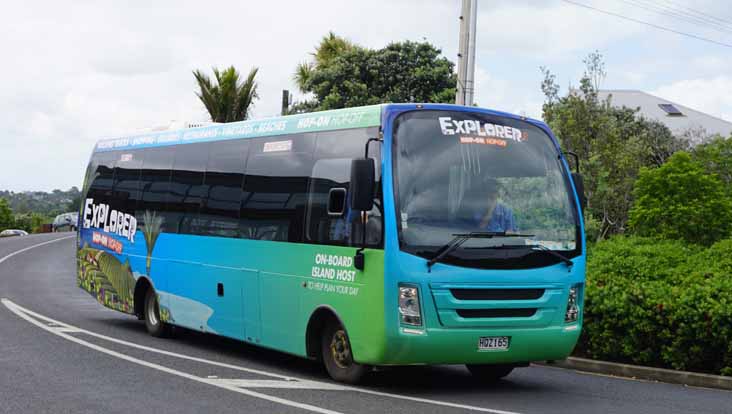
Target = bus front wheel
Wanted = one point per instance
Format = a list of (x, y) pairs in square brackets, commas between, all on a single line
[(155, 326), (490, 373), (337, 355)]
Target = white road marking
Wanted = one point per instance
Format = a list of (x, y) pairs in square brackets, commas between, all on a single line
[(290, 385), (323, 385), (19, 311), (33, 247), (63, 329)]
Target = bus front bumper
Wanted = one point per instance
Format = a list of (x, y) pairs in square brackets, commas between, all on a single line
[(460, 346)]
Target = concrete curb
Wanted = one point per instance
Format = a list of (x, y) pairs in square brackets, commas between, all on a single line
[(648, 373)]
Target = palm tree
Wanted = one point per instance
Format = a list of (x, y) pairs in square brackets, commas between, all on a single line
[(330, 47), (230, 99)]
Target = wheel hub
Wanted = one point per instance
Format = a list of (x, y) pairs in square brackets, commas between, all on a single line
[(340, 350)]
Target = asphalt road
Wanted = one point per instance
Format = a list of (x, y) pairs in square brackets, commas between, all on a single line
[(60, 352)]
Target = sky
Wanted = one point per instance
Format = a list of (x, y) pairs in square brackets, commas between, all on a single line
[(79, 71)]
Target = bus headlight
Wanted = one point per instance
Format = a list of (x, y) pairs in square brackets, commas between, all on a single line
[(409, 311), (572, 314)]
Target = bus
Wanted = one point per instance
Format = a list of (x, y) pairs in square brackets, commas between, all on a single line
[(387, 235)]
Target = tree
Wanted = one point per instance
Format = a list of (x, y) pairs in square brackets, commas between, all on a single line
[(330, 47), (6, 215), (346, 75), (31, 222), (613, 144), (716, 157), (229, 99), (680, 200)]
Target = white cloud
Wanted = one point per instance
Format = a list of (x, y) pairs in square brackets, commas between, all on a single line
[(556, 29), (710, 95), (77, 71), (503, 95)]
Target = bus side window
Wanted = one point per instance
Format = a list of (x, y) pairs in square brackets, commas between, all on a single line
[(320, 227), (187, 192), (334, 152), (223, 182), (126, 188), (100, 188), (275, 187), (155, 185)]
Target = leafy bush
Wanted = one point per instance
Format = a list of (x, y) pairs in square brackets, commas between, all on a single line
[(680, 200), (659, 303)]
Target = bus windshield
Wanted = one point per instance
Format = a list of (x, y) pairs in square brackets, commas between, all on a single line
[(458, 173)]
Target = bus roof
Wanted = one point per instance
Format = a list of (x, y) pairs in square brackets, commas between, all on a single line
[(360, 117)]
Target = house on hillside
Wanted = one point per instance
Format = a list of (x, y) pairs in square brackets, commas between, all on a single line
[(681, 120)]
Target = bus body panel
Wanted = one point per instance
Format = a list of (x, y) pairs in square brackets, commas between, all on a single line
[(271, 288)]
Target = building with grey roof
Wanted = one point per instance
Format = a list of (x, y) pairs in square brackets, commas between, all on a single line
[(681, 120)]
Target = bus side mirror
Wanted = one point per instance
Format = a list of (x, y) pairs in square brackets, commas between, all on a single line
[(579, 185), (363, 179)]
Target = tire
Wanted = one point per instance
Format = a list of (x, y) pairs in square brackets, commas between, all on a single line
[(490, 373), (335, 349), (155, 326)]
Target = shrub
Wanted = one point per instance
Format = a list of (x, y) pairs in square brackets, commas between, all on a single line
[(659, 303), (680, 200)]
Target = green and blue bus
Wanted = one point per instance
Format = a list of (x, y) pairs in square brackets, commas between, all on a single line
[(395, 234)]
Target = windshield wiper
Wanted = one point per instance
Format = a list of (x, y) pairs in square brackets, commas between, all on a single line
[(542, 248), (460, 238)]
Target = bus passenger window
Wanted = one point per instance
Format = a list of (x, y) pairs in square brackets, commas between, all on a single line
[(275, 187), (126, 188), (187, 191), (219, 215), (155, 185), (100, 188)]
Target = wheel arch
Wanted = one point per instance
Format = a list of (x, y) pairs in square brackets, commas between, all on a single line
[(318, 319)]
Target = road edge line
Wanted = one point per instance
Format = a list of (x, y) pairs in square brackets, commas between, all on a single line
[(4, 258), (670, 376), (18, 310), (28, 313)]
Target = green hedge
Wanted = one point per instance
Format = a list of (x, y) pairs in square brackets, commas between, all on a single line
[(659, 303)]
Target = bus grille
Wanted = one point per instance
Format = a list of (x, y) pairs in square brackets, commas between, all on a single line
[(497, 294), (496, 313), (493, 305)]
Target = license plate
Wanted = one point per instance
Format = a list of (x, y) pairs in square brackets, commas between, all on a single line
[(490, 343)]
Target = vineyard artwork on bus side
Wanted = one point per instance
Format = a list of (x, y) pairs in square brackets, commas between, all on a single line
[(106, 278), (99, 271)]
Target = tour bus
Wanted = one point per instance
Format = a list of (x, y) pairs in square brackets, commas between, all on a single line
[(395, 234)]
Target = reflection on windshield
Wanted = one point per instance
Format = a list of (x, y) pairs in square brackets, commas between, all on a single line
[(460, 172)]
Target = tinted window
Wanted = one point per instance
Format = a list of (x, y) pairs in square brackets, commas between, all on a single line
[(332, 168), (278, 170), (101, 180), (187, 191), (219, 215), (126, 188), (155, 184)]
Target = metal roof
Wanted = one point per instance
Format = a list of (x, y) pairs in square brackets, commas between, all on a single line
[(656, 108)]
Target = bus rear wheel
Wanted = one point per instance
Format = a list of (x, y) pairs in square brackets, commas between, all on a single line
[(490, 373), (337, 355), (155, 326)]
